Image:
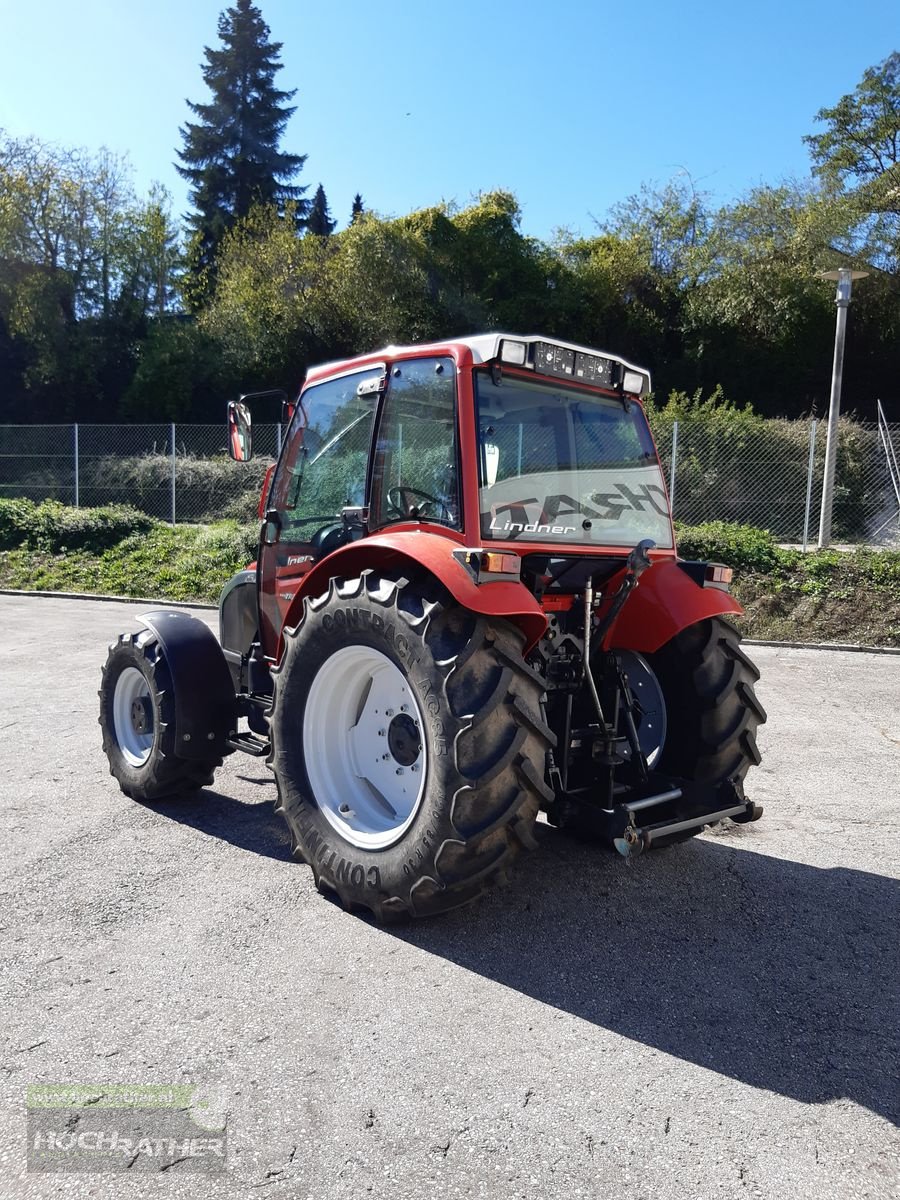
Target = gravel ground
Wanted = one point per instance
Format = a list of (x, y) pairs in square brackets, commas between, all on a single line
[(717, 1020)]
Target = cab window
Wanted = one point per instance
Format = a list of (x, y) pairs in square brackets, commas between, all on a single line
[(325, 462), (416, 471)]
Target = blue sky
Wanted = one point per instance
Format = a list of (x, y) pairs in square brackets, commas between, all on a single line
[(570, 105)]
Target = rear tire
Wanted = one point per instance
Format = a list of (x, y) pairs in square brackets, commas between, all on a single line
[(471, 736), (137, 720), (711, 706)]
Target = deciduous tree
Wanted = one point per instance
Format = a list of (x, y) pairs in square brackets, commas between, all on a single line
[(859, 152), (84, 263)]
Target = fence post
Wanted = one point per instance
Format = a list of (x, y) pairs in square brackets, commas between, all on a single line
[(672, 468), (173, 471), (278, 440), (809, 481), (75, 453)]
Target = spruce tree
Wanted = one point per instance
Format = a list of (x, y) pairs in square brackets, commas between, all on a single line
[(231, 155), (319, 220), (357, 211)]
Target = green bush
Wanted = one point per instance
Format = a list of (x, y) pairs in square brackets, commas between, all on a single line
[(740, 546), (879, 568), (243, 508), (185, 562), (206, 489), (16, 520), (56, 527)]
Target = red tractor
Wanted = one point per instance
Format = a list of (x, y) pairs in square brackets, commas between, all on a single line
[(467, 608)]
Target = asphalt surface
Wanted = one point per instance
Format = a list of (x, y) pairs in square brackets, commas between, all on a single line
[(717, 1020)]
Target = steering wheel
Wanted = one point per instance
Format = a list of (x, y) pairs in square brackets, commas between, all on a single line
[(401, 500)]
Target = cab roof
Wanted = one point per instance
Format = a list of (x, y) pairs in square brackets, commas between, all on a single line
[(484, 348)]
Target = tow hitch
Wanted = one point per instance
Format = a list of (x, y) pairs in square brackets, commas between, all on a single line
[(639, 830), (630, 804)]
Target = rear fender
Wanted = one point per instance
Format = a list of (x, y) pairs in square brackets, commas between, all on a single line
[(413, 550), (666, 601), (205, 710)]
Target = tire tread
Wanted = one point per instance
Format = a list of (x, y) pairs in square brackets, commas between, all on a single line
[(499, 746)]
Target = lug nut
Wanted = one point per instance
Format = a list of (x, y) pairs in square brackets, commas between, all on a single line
[(381, 732), (388, 712), (404, 708), (399, 771), (414, 767)]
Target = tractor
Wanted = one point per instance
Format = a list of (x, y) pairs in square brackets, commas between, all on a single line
[(467, 609)]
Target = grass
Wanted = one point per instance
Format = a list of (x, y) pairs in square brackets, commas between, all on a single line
[(824, 596), (187, 562)]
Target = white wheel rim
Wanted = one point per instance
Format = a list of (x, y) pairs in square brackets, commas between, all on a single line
[(364, 747), (133, 709)]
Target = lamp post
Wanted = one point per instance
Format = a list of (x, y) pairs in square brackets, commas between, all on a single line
[(844, 277)]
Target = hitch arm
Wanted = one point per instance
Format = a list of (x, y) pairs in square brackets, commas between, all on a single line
[(635, 565), (637, 562)]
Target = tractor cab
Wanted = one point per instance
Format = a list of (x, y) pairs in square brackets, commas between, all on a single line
[(538, 448)]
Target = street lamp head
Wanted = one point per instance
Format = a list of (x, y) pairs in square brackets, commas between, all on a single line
[(844, 276)]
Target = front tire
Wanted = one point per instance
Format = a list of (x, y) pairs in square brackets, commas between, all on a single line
[(408, 746), (137, 720)]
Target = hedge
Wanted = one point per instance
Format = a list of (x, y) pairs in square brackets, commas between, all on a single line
[(56, 527)]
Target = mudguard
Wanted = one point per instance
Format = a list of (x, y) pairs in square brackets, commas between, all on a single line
[(414, 550), (666, 601), (205, 712)]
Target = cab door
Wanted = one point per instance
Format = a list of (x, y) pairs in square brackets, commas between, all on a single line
[(323, 470)]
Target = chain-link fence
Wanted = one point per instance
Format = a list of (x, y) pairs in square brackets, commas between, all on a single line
[(764, 473), (770, 474), (173, 472)]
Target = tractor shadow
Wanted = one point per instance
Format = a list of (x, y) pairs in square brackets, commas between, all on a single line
[(780, 975), (251, 827)]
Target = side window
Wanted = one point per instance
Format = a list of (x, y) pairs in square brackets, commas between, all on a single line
[(416, 463), (324, 466)]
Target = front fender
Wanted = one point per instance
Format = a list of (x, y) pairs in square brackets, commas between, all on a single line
[(416, 549), (666, 601), (203, 692)]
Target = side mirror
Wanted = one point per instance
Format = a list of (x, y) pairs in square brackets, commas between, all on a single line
[(240, 439)]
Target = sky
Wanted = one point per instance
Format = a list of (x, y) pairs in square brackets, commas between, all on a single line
[(571, 105)]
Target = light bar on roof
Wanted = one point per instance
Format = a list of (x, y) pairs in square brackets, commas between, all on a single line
[(514, 353), (633, 381), (574, 364), (569, 362)]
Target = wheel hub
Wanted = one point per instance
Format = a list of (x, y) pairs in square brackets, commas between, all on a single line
[(141, 715), (365, 756), (404, 741), (132, 717)]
